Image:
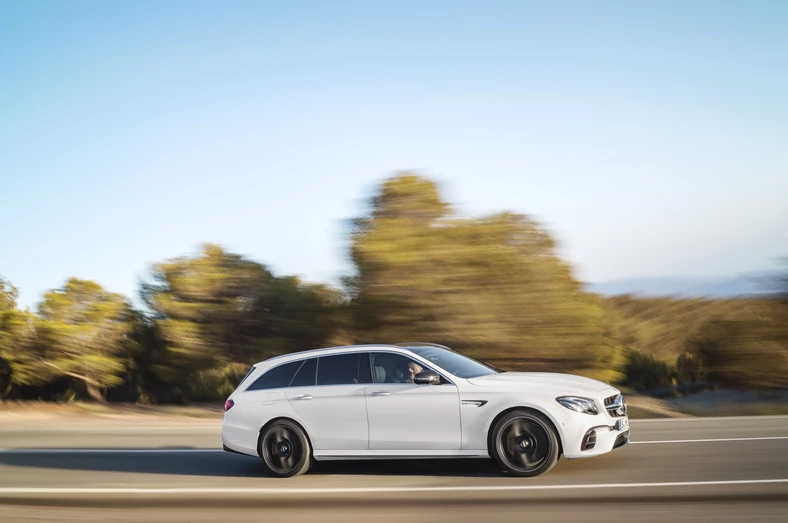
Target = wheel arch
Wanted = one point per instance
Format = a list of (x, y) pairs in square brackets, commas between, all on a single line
[(281, 418), (550, 419)]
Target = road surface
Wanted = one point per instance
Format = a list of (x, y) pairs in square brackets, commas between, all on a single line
[(723, 469)]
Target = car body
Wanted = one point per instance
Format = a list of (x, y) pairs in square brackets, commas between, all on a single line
[(417, 400)]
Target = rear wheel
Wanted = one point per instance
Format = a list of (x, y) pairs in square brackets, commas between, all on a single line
[(524, 443), (285, 449)]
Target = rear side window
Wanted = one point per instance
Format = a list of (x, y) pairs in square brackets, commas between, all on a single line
[(344, 369), (305, 377), (276, 378)]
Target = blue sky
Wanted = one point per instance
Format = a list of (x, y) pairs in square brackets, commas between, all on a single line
[(650, 137)]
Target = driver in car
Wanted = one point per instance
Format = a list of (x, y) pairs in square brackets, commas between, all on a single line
[(413, 369)]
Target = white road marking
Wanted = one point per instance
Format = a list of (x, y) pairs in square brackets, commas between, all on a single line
[(710, 418), (374, 490), (706, 440)]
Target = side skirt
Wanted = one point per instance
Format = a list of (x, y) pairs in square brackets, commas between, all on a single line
[(328, 455)]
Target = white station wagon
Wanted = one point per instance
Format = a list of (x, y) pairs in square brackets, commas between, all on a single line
[(416, 400)]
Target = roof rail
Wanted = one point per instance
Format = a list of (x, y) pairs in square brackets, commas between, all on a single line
[(406, 344), (323, 349)]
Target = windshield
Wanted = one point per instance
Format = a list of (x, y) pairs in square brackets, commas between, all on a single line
[(458, 364)]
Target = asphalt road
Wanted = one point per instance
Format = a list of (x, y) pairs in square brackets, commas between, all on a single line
[(733, 469)]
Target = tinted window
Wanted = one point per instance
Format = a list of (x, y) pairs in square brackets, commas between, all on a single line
[(454, 362), (388, 367), (343, 369), (305, 377), (277, 377)]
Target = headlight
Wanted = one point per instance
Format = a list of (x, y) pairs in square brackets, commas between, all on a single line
[(578, 404)]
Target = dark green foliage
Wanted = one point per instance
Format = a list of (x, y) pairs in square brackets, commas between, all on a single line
[(689, 369), (737, 343), (663, 327), (746, 352), (646, 373)]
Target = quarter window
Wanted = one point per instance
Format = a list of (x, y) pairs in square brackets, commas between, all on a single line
[(276, 378), (305, 377)]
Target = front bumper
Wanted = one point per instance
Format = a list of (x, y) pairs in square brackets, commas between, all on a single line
[(586, 436), (621, 440)]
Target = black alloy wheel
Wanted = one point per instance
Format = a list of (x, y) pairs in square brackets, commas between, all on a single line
[(285, 449), (525, 444)]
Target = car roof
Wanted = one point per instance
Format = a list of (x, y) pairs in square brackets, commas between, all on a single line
[(403, 347)]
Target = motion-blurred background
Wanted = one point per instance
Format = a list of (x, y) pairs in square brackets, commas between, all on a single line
[(493, 287), (585, 188)]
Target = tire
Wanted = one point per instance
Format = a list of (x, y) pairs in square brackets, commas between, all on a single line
[(524, 443), (285, 449)]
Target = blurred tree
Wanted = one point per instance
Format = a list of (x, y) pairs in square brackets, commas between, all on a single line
[(493, 286), (20, 351), (202, 311), (646, 373), (218, 313), (663, 327), (291, 315), (689, 368), (8, 295), (19, 346), (745, 352), (698, 341), (83, 333), (141, 381)]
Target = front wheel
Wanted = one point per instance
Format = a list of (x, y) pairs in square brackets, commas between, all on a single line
[(524, 443), (285, 449)]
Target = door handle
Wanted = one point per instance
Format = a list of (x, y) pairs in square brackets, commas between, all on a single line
[(303, 397), (381, 393)]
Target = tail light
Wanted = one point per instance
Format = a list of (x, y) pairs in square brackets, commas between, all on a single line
[(228, 405)]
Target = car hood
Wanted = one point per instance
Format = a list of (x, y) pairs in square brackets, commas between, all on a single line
[(560, 383)]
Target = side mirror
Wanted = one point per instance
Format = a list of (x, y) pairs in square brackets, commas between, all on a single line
[(427, 377)]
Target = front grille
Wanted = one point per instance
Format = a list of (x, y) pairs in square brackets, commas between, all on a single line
[(616, 406)]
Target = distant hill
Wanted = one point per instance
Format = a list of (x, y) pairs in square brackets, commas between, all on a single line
[(684, 286)]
